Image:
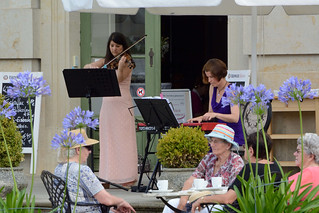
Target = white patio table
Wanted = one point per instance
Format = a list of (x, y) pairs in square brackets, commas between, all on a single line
[(163, 195), (170, 193)]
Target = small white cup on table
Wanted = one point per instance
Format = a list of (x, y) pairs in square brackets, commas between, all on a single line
[(217, 182), (199, 183), (162, 185)]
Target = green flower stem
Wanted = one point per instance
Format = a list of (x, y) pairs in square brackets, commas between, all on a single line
[(265, 142), (66, 179), (5, 144), (298, 184), (301, 134), (77, 187), (257, 150), (245, 137), (33, 158)]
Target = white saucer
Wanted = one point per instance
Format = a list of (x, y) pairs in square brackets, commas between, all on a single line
[(160, 191), (210, 188)]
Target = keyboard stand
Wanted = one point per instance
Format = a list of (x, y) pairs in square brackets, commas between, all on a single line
[(158, 114), (140, 187)]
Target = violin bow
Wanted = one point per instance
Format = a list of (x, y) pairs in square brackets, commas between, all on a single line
[(125, 50)]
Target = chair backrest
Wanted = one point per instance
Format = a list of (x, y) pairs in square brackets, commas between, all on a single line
[(55, 187), (250, 119)]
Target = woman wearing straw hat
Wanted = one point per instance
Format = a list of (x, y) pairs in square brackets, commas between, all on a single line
[(90, 188), (230, 197), (221, 162)]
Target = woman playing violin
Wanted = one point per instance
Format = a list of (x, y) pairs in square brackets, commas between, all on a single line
[(118, 151)]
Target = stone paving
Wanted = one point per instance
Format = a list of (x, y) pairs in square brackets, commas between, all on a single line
[(140, 203)]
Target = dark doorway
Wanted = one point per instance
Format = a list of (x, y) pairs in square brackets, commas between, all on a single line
[(192, 41)]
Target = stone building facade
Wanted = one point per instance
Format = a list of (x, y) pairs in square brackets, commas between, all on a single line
[(38, 35)]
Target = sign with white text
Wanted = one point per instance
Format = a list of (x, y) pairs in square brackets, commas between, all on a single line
[(181, 102), (22, 118)]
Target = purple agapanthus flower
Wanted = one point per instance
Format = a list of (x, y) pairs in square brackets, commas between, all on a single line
[(237, 95), (25, 85), (295, 89), (7, 110), (80, 119), (67, 139), (261, 99)]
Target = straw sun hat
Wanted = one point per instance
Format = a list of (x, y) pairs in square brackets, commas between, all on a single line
[(223, 132), (88, 141), (197, 195)]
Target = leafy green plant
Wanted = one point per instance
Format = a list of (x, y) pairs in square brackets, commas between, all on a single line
[(267, 195), (13, 139), (182, 147), (14, 202), (264, 194)]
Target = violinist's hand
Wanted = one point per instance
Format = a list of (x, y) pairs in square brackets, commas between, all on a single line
[(209, 116), (122, 63), (195, 120)]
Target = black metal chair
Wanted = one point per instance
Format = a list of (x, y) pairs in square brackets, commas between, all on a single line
[(176, 210), (170, 206), (55, 187)]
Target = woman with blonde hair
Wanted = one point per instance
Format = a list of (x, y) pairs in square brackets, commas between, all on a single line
[(90, 188)]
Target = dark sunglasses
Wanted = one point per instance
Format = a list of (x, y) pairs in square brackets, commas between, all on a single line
[(90, 148)]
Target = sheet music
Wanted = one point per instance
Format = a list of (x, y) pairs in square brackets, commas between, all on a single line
[(158, 97)]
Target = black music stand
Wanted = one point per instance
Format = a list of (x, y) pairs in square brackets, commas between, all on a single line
[(158, 114), (91, 83)]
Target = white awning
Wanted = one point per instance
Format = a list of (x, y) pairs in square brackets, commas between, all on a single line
[(291, 7), (163, 7), (276, 2), (192, 7)]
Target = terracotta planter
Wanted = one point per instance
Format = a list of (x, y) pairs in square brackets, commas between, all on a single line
[(6, 179), (176, 177)]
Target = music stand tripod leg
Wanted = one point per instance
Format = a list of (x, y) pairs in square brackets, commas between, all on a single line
[(139, 187), (153, 179), (88, 96)]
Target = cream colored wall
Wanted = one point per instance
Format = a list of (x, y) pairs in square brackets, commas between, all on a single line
[(38, 35), (286, 46)]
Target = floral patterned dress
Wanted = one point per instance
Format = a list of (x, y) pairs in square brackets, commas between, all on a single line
[(228, 171)]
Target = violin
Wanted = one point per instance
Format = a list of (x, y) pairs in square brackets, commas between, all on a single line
[(115, 63)]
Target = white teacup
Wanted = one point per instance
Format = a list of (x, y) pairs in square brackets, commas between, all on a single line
[(162, 185), (217, 181), (199, 183)]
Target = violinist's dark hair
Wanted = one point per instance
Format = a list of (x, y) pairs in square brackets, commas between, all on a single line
[(216, 67), (118, 38), (252, 142)]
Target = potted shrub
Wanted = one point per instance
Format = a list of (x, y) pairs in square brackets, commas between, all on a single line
[(180, 150), (14, 142)]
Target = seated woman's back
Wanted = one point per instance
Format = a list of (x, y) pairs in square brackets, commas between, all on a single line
[(88, 187)]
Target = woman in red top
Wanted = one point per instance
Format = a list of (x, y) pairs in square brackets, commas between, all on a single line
[(310, 172)]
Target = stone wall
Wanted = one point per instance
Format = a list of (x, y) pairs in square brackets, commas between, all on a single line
[(287, 45), (38, 35)]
